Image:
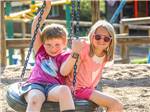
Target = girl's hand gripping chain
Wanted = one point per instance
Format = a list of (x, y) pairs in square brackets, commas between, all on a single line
[(77, 46)]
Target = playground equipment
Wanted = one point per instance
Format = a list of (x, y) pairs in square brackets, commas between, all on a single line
[(23, 17), (17, 103), (123, 29), (26, 16), (149, 57), (12, 95), (34, 5), (117, 12), (135, 23)]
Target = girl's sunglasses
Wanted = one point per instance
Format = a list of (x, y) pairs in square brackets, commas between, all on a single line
[(105, 38)]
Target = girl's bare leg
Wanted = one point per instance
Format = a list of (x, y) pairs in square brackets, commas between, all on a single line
[(35, 99), (112, 104), (62, 94)]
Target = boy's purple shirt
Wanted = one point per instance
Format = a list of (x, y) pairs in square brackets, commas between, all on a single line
[(45, 74)]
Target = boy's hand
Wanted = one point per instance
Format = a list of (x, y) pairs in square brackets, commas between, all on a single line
[(77, 46)]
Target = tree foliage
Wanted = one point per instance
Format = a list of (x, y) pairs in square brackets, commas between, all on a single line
[(85, 10)]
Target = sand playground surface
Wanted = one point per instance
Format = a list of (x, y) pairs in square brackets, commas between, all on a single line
[(128, 82)]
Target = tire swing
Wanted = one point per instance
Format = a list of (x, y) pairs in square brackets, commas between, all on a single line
[(19, 104)]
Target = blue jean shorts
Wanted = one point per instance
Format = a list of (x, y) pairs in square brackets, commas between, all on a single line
[(45, 88)]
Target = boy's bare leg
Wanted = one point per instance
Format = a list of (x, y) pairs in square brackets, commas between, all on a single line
[(35, 99), (62, 94)]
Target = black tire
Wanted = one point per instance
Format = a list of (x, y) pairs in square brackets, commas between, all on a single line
[(19, 104)]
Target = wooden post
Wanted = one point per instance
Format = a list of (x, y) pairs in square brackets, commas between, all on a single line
[(95, 10), (9, 30), (22, 51), (2, 41), (149, 32), (124, 28), (124, 53)]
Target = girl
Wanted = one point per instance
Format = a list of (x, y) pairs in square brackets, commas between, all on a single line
[(91, 60), (45, 81)]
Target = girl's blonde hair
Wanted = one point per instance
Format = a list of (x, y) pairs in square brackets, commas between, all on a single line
[(111, 48), (54, 31)]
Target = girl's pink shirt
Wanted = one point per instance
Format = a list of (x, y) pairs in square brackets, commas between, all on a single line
[(88, 72)]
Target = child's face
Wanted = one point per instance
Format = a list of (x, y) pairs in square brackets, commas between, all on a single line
[(54, 46), (101, 39)]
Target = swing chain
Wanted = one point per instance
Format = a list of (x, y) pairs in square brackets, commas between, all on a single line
[(32, 40), (71, 33), (72, 20), (77, 33), (78, 19), (75, 72), (73, 17)]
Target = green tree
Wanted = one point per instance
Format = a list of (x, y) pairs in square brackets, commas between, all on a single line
[(85, 10)]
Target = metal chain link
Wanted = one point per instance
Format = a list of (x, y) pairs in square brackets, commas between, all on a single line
[(72, 19), (32, 40), (75, 72), (74, 2), (78, 19), (75, 15), (71, 33)]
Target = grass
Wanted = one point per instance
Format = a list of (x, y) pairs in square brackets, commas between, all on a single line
[(139, 61)]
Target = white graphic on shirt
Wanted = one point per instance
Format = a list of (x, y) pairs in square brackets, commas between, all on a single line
[(49, 66)]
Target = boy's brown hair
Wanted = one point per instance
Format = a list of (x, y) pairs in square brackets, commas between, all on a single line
[(54, 31)]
